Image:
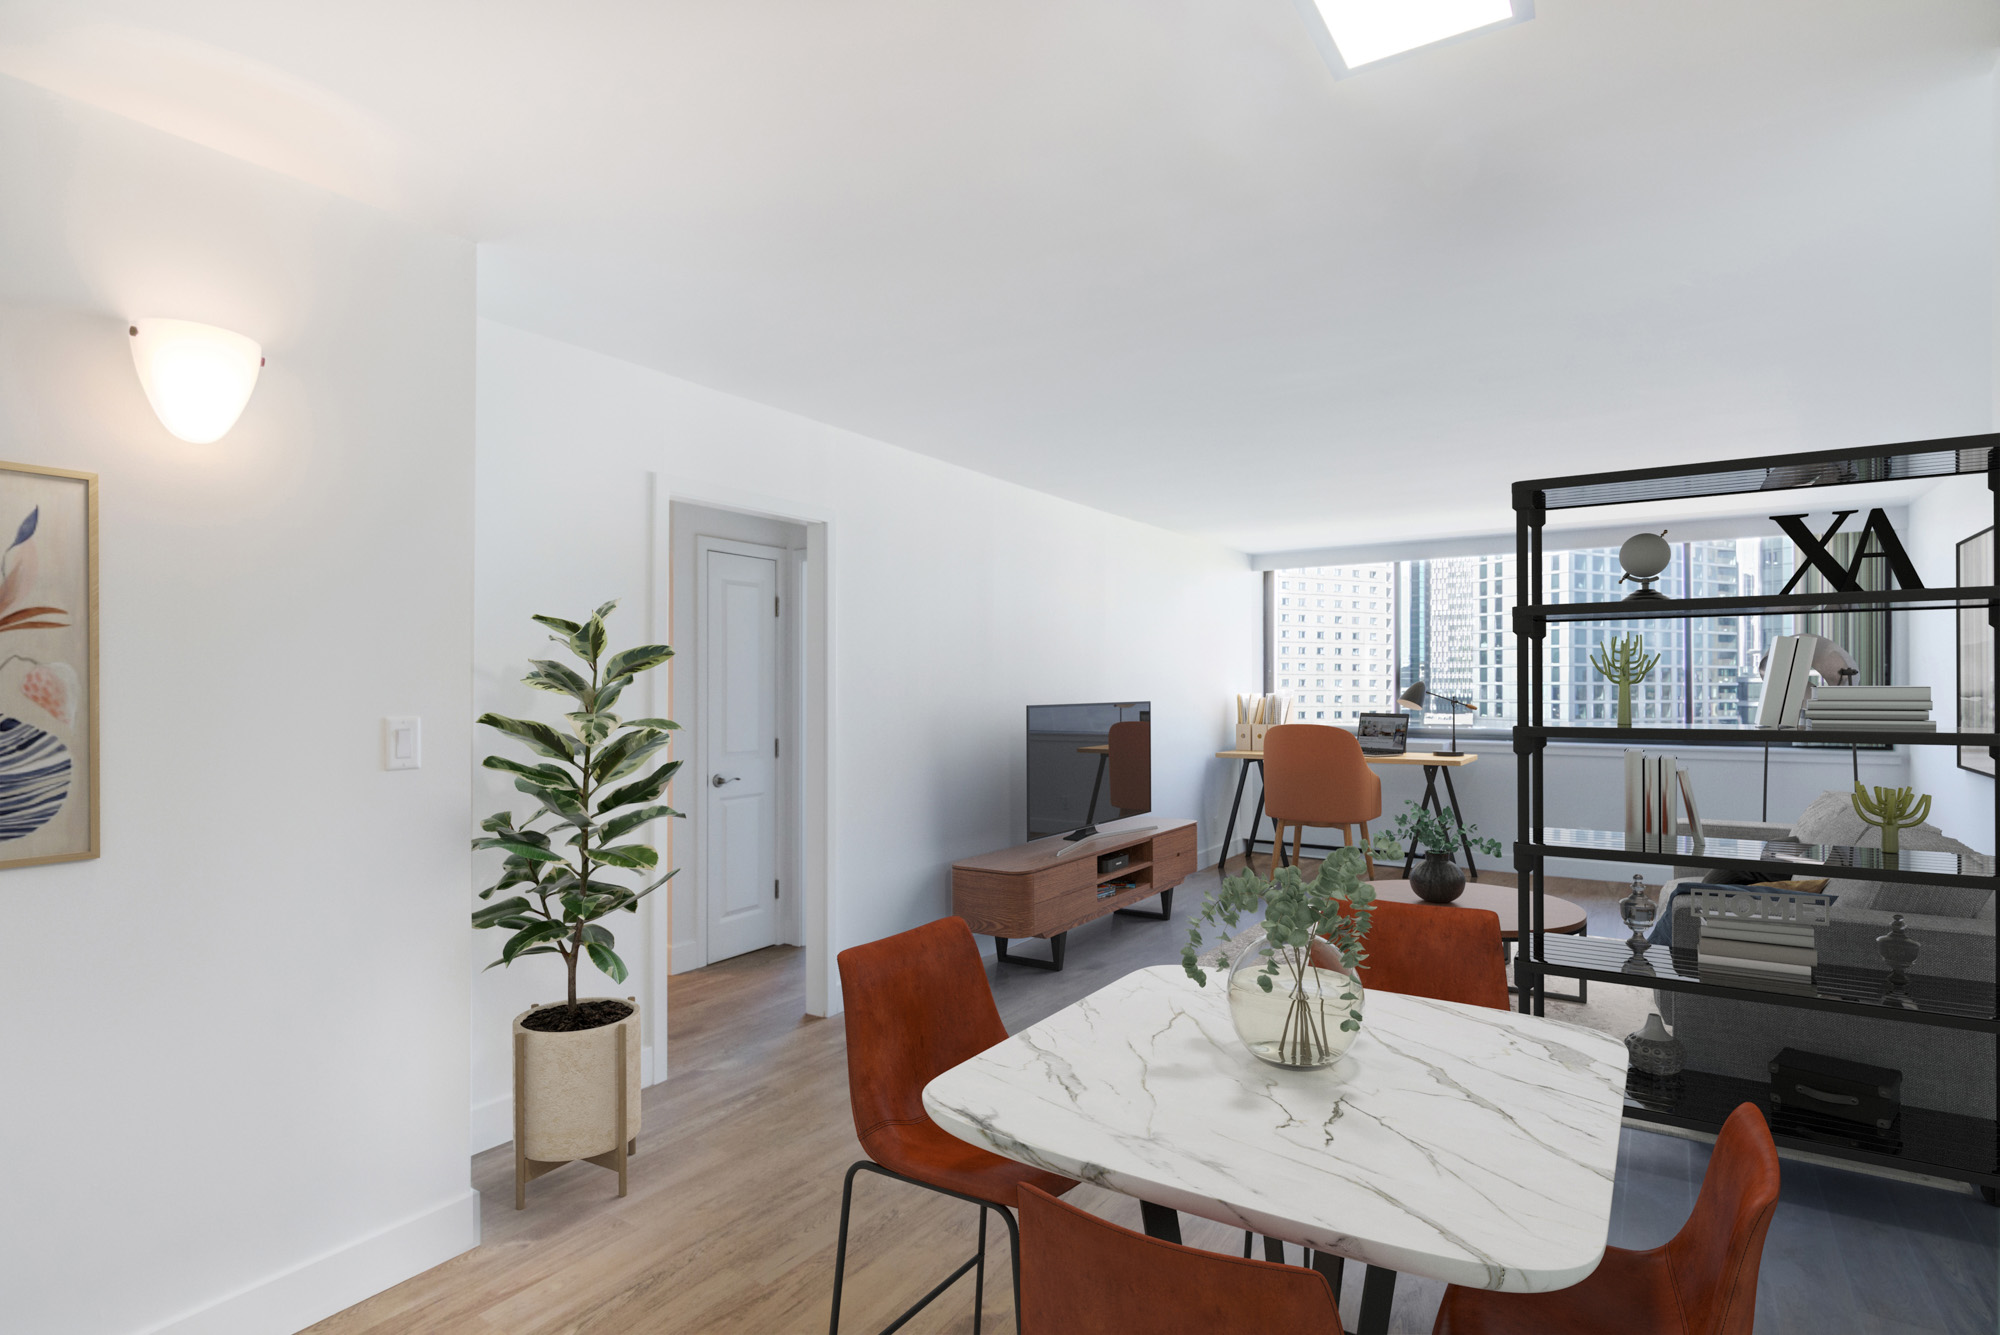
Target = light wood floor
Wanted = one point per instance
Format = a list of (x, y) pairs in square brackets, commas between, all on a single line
[(735, 1196)]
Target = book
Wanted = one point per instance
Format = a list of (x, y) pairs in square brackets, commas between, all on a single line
[(1882, 693), (1635, 798), (1758, 934), (1865, 711), (1746, 966), (1875, 725), (1768, 952), (1692, 812), (1786, 680)]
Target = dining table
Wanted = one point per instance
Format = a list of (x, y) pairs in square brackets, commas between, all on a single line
[(1462, 1143)]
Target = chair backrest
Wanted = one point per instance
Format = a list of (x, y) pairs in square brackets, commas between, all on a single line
[(1082, 1273), (918, 1004), (1316, 775), (1714, 1258), (1444, 954), (1131, 766)]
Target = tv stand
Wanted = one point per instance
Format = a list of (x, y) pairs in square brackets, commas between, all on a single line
[(1044, 888)]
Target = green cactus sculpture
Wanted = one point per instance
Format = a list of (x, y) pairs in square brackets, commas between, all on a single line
[(1625, 662), (1891, 810)]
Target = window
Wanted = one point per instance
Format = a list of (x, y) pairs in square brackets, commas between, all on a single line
[(1450, 625)]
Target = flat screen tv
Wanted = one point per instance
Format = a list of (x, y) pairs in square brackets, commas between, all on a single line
[(1088, 764)]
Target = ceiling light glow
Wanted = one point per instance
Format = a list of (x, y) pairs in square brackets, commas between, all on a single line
[(1369, 30)]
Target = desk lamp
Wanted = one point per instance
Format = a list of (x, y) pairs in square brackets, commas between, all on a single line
[(1414, 699)]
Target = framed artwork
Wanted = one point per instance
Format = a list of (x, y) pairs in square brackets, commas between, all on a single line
[(1975, 653), (48, 665)]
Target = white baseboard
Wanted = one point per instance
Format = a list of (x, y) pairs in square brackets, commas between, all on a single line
[(315, 1289), (493, 1119), (685, 956)]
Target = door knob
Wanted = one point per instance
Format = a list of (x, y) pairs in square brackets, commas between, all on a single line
[(718, 780)]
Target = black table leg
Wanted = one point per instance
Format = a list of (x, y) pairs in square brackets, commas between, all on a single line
[(1429, 802), (1229, 830), (1161, 1222), (1378, 1293), (1470, 870), (1256, 818)]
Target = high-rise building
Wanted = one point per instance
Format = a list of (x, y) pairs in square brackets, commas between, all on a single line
[(1333, 641)]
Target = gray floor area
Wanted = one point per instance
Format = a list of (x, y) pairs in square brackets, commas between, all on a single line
[(1846, 1252)]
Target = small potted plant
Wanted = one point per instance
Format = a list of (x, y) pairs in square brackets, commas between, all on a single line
[(576, 1066), (1294, 994), (1438, 835)]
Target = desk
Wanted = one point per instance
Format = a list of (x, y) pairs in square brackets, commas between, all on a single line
[(1464, 1144), (1433, 764)]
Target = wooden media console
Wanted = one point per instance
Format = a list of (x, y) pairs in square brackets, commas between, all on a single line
[(1046, 887)]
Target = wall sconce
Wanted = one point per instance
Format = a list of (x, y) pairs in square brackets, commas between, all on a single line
[(197, 377)]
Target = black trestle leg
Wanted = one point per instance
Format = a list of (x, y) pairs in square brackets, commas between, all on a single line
[(1274, 1250), (1378, 1294)]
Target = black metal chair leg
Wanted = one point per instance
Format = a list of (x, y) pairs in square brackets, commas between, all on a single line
[(840, 1252), (1014, 1250), (979, 1275)]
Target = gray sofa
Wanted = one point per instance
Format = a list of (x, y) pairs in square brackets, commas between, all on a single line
[(1950, 1070)]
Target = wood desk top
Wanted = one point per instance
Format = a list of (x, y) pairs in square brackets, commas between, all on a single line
[(1407, 758), (1558, 915)]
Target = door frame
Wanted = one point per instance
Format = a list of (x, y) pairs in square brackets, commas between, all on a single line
[(783, 824), (814, 821)]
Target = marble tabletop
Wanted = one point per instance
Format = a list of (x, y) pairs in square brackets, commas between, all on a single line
[(1466, 1144)]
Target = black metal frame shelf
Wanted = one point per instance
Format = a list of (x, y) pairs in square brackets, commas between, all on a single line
[(1944, 1144), (1680, 609), (1749, 735), (1942, 1003)]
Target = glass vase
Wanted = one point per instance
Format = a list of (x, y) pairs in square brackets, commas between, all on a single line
[(1310, 1015)]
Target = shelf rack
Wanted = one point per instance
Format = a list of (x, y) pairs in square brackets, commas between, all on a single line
[(1942, 1144)]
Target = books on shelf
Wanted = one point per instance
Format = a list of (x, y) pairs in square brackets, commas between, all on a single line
[(1649, 799), (1787, 678), (1758, 937), (1871, 708)]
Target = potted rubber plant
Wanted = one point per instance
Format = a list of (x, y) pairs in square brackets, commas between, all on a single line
[(1438, 835), (569, 865), (1295, 996)]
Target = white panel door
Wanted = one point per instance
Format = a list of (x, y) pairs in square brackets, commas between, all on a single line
[(739, 674)]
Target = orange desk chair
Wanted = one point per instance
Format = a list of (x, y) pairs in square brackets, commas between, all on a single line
[(918, 1004), (1081, 1273), (1316, 775), (1446, 954), (1703, 1282)]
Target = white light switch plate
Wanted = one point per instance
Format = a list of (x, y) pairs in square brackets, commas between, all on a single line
[(402, 742)]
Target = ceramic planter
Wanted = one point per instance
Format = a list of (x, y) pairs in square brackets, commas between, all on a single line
[(1437, 879), (576, 1096)]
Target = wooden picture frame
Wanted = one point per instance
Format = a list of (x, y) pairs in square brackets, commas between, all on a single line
[(49, 768), (1975, 653)]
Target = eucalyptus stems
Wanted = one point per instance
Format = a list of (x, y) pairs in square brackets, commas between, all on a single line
[(1308, 926), (561, 854)]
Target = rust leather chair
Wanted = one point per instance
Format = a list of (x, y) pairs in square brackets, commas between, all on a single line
[(1703, 1282), (1081, 1273), (918, 1004), (1446, 954), (1316, 775)]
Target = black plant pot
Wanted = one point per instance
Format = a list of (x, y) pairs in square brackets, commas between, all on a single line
[(1437, 879)]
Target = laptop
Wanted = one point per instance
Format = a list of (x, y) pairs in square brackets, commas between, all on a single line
[(1383, 734)]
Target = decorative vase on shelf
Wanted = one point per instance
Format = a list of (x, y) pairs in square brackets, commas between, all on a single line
[(1655, 1052), (1306, 1016), (1437, 879), (1899, 951), (1639, 913)]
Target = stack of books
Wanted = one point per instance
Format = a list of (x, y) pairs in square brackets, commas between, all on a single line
[(1760, 938), (1871, 708)]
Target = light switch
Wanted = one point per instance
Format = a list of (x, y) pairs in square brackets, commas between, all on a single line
[(402, 742)]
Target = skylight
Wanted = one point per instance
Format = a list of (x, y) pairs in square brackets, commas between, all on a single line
[(1370, 30)]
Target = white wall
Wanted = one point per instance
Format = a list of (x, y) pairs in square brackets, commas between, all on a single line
[(235, 1083), (956, 601), (1961, 801)]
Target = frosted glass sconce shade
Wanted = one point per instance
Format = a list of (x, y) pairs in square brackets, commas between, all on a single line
[(197, 377)]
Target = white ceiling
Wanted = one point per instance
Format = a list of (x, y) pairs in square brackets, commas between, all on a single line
[(1149, 254)]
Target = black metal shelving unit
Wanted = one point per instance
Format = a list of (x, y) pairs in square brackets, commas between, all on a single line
[(1938, 1143)]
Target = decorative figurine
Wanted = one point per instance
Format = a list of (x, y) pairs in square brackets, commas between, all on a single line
[(1645, 556), (1900, 952), (1655, 1052), (1891, 810), (1624, 662), (1639, 913)]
